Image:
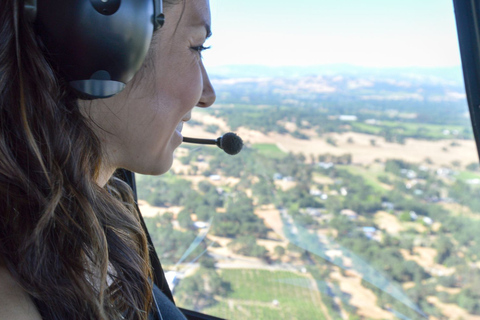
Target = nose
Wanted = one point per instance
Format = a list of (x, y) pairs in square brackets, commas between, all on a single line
[(208, 94)]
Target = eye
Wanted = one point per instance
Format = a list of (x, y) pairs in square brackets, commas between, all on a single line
[(200, 49)]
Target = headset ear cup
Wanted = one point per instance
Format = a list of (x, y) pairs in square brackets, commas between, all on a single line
[(97, 52)]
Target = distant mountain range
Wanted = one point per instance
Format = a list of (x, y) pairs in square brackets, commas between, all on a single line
[(445, 75)]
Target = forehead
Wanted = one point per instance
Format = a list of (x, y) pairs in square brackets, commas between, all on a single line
[(197, 13)]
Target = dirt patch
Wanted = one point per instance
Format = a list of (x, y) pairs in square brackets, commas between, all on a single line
[(425, 257), (272, 218), (408, 285), (285, 184), (448, 290), (388, 222), (363, 152), (151, 211), (458, 209), (451, 311), (361, 297)]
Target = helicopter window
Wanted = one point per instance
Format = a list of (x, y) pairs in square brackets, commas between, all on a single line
[(355, 195)]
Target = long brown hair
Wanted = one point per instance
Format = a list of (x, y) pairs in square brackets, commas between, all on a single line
[(77, 248)]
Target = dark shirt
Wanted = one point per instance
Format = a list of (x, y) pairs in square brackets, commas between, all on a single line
[(167, 309)]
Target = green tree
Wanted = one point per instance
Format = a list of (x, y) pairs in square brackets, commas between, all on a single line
[(444, 248), (279, 251), (405, 216), (247, 245), (199, 290), (239, 219), (184, 219), (212, 128)]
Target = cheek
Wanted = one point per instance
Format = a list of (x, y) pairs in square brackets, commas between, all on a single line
[(186, 86)]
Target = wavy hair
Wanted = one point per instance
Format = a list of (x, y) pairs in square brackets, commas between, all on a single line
[(76, 248)]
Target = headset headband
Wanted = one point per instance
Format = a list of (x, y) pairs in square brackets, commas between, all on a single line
[(98, 45)]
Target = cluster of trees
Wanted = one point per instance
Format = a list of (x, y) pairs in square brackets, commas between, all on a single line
[(170, 191), (467, 238), (465, 194), (343, 159), (362, 197), (170, 243), (199, 291), (468, 279), (239, 219), (174, 191), (247, 245), (384, 256)]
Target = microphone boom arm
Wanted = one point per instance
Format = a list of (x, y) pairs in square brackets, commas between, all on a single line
[(200, 141)]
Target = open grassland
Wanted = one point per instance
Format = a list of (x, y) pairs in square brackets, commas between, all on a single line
[(369, 175), (467, 175), (269, 150), (297, 296)]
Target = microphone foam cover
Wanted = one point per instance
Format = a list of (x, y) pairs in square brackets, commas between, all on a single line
[(231, 143)]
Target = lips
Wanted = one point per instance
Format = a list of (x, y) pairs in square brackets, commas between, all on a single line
[(179, 126)]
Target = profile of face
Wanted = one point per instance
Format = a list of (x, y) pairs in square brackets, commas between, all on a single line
[(140, 127)]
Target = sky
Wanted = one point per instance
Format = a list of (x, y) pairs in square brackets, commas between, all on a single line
[(372, 33)]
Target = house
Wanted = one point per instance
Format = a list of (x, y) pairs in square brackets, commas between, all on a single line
[(215, 177), (428, 220), (352, 215), (200, 224), (369, 232), (325, 165), (413, 215), (277, 176), (388, 205), (313, 212), (347, 118)]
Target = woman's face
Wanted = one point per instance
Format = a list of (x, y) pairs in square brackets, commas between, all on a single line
[(140, 127)]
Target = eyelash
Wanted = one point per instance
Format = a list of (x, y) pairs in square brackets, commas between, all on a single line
[(200, 49)]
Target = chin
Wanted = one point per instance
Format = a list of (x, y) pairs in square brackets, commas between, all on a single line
[(160, 167)]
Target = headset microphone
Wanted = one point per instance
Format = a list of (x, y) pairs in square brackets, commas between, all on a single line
[(229, 142)]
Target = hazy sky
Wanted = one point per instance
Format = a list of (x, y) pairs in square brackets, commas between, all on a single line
[(391, 33)]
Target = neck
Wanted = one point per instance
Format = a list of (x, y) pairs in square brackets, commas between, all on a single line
[(105, 175)]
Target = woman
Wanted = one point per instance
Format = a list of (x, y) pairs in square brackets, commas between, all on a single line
[(71, 246)]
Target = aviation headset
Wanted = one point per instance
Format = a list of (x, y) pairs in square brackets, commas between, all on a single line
[(98, 45)]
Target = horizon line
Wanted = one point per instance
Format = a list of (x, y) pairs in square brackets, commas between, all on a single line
[(332, 65)]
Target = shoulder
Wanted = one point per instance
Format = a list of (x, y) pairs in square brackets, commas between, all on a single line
[(15, 303), (167, 309)]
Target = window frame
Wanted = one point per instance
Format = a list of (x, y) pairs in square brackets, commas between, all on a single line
[(467, 16)]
